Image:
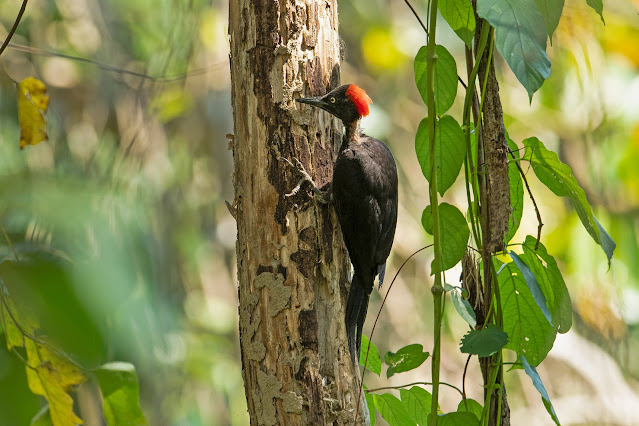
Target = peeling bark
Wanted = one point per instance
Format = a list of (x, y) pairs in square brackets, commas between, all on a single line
[(292, 268)]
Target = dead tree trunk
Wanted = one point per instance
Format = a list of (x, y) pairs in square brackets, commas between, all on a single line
[(291, 261)]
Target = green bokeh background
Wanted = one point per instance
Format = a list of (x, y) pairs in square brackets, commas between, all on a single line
[(123, 209)]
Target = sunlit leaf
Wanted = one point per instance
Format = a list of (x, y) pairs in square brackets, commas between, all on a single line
[(548, 275), (520, 37), (374, 363), (459, 418), (471, 406), (120, 392), (32, 105), (463, 308), (392, 410), (460, 16), (417, 402), (558, 177), (445, 78), (597, 5), (407, 358), (533, 285), (453, 230), (450, 151), (51, 375), (8, 312), (529, 332), (532, 373), (484, 342), (551, 11)]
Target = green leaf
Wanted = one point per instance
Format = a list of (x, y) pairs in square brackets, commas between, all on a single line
[(463, 308), (558, 177), (407, 358), (551, 282), (533, 286), (471, 406), (528, 329), (461, 18), (532, 373), (370, 402), (445, 78), (417, 402), (484, 342), (374, 364), (551, 11), (450, 151), (453, 230), (120, 394), (459, 418), (597, 5), (392, 410), (607, 244), (520, 37), (516, 192)]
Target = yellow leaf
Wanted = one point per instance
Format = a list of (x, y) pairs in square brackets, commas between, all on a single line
[(11, 330), (53, 376), (32, 105)]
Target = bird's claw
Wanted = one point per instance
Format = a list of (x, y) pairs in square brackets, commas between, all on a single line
[(298, 167)]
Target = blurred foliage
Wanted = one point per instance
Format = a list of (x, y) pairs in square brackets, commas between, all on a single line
[(121, 213)]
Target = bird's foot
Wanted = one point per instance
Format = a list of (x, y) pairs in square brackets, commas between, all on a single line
[(323, 196)]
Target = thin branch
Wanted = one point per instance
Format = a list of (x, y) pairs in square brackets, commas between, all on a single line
[(464, 377), (416, 383), (523, 176), (370, 339), (6, 236), (15, 26), (110, 68), (417, 16)]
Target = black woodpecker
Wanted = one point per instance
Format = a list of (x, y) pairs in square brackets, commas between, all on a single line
[(364, 190)]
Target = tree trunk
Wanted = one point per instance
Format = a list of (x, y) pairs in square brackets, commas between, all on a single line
[(292, 268)]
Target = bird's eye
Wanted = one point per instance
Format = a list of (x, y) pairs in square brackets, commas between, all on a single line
[(332, 100)]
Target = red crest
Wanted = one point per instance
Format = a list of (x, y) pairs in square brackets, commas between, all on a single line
[(359, 98)]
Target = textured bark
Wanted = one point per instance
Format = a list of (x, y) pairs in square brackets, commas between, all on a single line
[(498, 207), (292, 268), (495, 212)]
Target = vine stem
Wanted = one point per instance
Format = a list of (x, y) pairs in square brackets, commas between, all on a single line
[(370, 339), (14, 27), (436, 289), (414, 384)]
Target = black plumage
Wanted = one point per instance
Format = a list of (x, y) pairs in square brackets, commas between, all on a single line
[(364, 190)]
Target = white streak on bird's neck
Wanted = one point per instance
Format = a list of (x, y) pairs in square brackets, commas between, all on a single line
[(352, 132)]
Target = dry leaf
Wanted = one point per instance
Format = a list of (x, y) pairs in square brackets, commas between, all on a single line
[(32, 105)]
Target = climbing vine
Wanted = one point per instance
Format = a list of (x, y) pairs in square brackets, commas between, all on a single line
[(520, 304)]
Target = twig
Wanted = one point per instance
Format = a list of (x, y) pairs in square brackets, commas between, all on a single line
[(15, 26), (416, 16), (110, 68), (370, 339), (523, 176), (416, 383), (464, 379), (6, 236)]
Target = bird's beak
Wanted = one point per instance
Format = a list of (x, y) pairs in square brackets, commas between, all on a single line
[(315, 101)]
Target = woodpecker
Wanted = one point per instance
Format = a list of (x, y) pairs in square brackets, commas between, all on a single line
[(364, 191)]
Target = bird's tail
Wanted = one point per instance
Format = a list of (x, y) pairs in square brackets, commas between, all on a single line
[(356, 308)]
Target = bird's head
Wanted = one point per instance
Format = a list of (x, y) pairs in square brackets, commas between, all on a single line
[(349, 103)]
